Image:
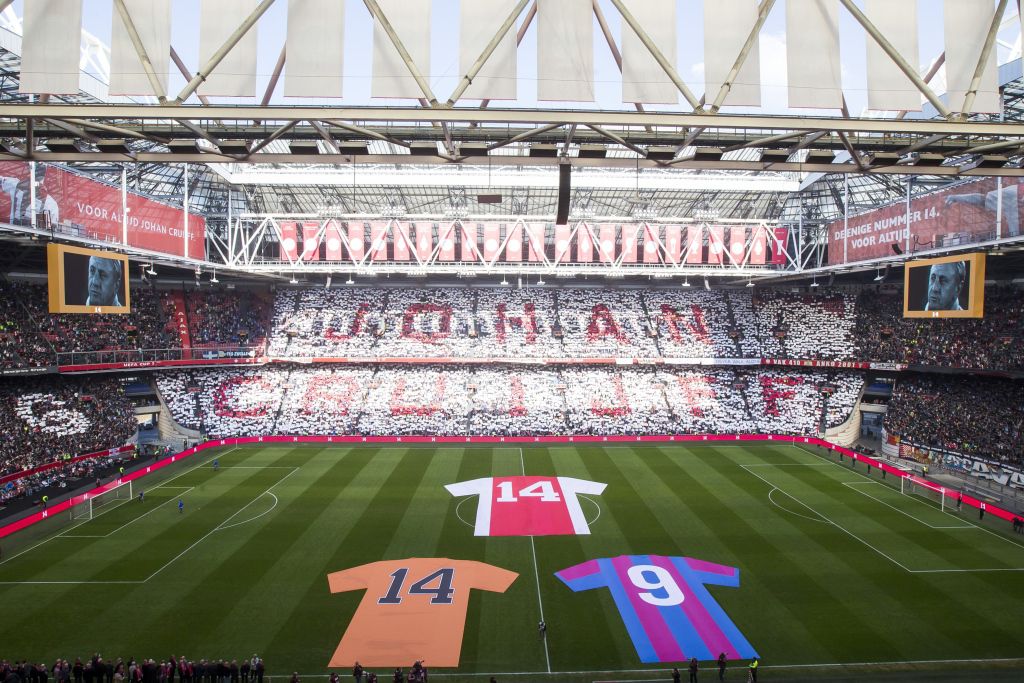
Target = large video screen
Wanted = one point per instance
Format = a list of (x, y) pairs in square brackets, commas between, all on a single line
[(87, 280), (947, 287)]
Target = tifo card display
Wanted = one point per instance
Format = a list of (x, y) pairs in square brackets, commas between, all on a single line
[(668, 612), (528, 506), (413, 609)]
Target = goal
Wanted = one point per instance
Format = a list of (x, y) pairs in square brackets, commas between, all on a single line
[(94, 505), (912, 485)]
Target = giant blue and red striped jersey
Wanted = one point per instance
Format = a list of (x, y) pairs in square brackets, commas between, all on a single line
[(669, 614)]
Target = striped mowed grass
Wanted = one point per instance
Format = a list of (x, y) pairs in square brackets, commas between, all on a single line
[(839, 572)]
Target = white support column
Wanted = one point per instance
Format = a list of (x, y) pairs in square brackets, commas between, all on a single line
[(846, 218), (906, 246), (32, 194), (124, 205), (184, 179)]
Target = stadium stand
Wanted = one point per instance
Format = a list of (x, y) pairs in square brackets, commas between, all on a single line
[(538, 323), (971, 415), (224, 318), (992, 342), (454, 400)]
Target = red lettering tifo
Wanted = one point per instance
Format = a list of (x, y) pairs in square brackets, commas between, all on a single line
[(526, 323), (692, 324), (333, 395), (333, 333), (621, 406), (697, 392), (416, 318), (518, 408), (427, 405), (235, 397), (602, 324), (771, 394)]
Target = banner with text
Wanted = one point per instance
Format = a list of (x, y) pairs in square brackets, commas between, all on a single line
[(72, 203), (961, 215)]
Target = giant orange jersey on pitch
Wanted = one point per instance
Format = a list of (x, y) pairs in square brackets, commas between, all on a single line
[(413, 609)]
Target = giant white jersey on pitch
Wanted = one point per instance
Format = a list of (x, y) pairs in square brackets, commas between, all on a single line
[(528, 506)]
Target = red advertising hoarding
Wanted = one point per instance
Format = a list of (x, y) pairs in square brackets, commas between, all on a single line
[(333, 239), (514, 250), (630, 234), (401, 240), (424, 240), (310, 243), (470, 237), (447, 241), (66, 199), (694, 246), (716, 244), (584, 244), (956, 216), (289, 241), (737, 239), (535, 236), (673, 242)]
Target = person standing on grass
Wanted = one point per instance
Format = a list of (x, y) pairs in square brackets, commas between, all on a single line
[(334, 677), (721, 666), (142, 495), (357, 673), (981, 510), (245, 669), (398, 677), (676, 676), (181, 509), (694, 668), (753, 670), (959, 501), (260, 668), (542, 629)]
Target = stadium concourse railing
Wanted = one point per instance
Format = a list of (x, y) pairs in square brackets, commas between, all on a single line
[(69, 503)]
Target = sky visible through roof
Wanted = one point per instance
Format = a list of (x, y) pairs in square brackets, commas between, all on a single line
[(444, 72)]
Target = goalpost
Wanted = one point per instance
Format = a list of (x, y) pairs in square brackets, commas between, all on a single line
[(913, 485), (92, 507)]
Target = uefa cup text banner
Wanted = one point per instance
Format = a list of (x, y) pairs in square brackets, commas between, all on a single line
[(965, 214), (70, 199)]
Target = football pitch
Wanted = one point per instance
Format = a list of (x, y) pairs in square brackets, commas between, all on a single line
[(840, 575)]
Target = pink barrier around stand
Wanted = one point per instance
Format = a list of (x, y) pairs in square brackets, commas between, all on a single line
[(241, 441)]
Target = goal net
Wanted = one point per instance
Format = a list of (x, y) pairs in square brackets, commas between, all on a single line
[(916, 486), (95, 504)]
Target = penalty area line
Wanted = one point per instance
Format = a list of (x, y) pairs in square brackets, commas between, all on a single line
[(219, 527), (61, 532)]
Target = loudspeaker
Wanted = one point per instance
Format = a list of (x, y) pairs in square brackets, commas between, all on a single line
[(564, 189), (896, 249)]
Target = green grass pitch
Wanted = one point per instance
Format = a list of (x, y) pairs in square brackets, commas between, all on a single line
[(836, 566)]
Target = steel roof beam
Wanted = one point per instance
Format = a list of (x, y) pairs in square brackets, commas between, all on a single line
[(509, 116)]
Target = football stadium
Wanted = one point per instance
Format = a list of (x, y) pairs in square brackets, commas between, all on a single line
[(578, 341)]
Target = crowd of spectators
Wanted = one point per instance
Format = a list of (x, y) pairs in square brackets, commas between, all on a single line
[(45, 419), (227, 318), (971, 415), (458, 400), (534, 323), (96, 670), (993, 342), (490, 322)]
